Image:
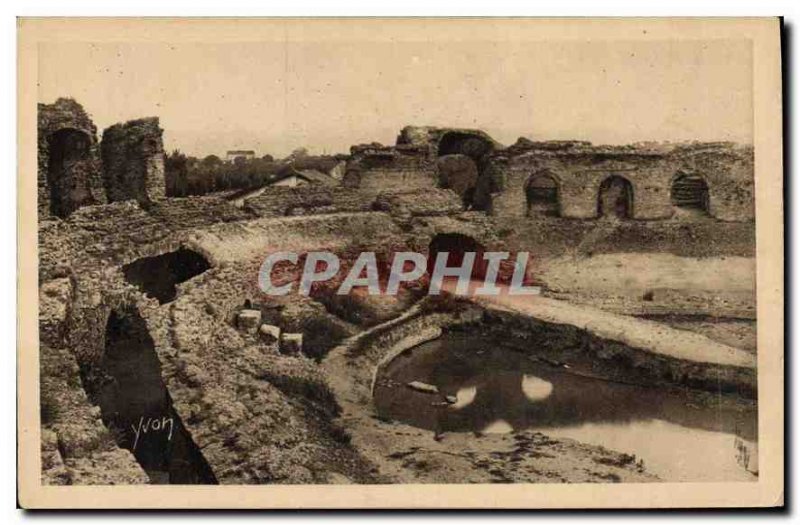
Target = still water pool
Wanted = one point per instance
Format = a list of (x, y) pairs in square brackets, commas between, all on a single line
[(681, 435)]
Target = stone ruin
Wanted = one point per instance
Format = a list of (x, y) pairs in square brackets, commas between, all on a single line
[(133, 161), (570, 179), (75, 170), (123, 269), (69, 172)]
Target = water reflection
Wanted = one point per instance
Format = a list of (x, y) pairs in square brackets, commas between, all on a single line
[(495, 390), (464, 397), (500, 426), (536, 389)]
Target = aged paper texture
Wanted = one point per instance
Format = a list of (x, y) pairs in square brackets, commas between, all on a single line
[(383, 263)]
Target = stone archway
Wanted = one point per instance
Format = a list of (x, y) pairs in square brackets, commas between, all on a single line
[(690, 192), (542, 194), (460, 143), (615, 198), (67, 171)]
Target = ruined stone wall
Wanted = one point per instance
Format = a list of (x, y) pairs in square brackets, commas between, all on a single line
[(418, 203), (225, 243), (578, 180), (729, 174), (621, 357), (580, 169), (317, 200), (282, 201), (377, 168), (118, 233), (275, 433), (133, 161), (76, 448), (68, 168), (413, 162)]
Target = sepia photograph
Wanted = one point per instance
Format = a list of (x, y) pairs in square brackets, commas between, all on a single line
[(315, 263)]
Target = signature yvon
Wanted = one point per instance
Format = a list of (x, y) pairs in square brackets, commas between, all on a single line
[(152, 425)]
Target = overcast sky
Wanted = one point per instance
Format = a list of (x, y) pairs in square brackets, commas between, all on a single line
[(273, 97)]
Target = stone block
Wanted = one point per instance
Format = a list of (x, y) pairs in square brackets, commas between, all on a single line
[(426, 388), (249, 320), (269, 333), (291, 344)]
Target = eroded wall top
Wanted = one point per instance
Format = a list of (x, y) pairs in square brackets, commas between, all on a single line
[(133, 161)]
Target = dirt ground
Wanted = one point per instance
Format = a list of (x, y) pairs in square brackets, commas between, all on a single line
[(704, 237), (712, 296), (738, 333), (638, 272)]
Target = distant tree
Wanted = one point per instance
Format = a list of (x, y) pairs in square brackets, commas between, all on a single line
[(211, 161), (298, 153), (193, 176), (176, 173)]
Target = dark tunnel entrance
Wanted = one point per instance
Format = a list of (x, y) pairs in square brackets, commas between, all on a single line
[(541, 194), (158, 276), (136, 407), (690, 192), (460, 174), (68, 171), (456, 245), (456, 143), (615, 198), (462, 167)]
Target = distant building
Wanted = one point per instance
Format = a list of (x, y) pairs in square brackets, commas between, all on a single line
[(244, 154)]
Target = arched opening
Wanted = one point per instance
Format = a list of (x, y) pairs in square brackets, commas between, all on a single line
[(67, 172), (460, 174), (457, 143), (158, 276), (468, 198), (690, 192), (136, 407), (463, 159), (541, 193), (615, 198), (456, 245)]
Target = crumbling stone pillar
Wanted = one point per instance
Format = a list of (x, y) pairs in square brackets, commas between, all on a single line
[(133, 161), (68, 169), (511, 200)]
